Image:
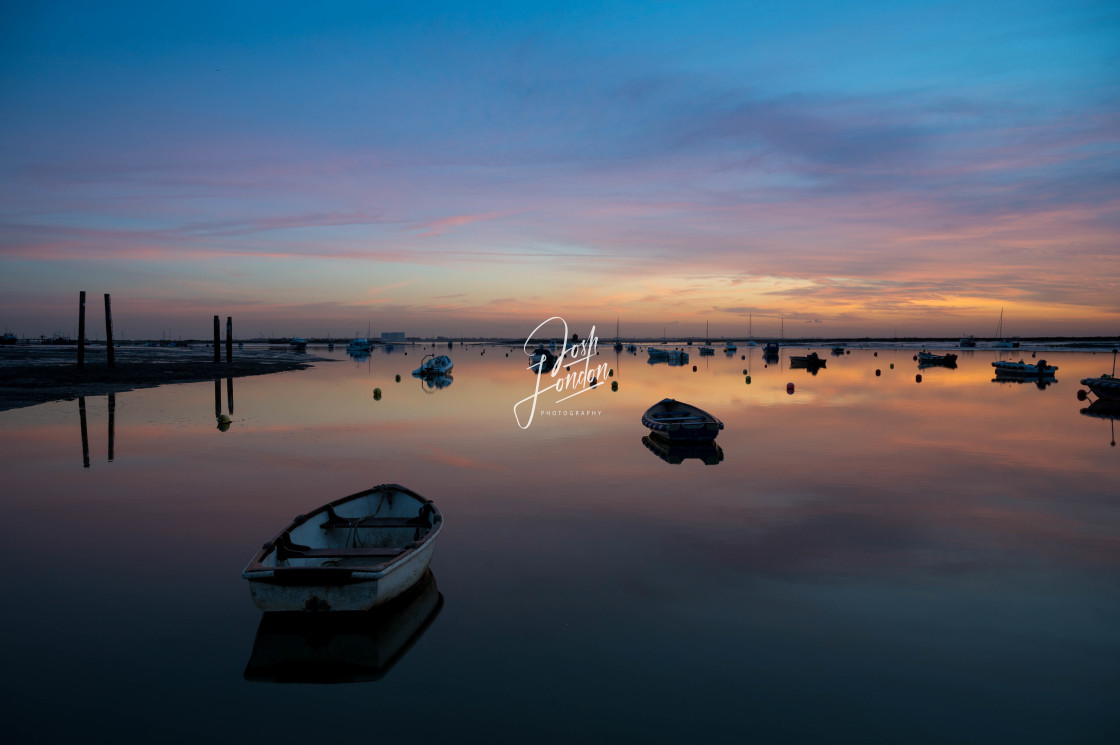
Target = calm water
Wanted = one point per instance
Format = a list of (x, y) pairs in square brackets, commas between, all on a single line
[(873, 560)]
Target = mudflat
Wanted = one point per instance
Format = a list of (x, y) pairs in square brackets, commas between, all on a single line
[(36, 374)]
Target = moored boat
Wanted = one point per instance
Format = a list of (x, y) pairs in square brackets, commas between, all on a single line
[(1106, 387), (354, 553), (677, 420), (967, 341), (298, 344), (433, 365), (542, 360), (730, 346), (1022, 369), (810, 360), (929, 358), (358, 345), (672, 356)]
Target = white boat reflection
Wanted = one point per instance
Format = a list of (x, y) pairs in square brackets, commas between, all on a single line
[(435, 383), (349, 647)]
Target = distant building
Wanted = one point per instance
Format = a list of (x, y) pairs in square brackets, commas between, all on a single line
[(392, 336)]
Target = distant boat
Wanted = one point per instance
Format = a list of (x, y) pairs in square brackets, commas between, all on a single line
[(617, 343), (677, 451), (1000, 342), (838, 351), (432, 366), (730, 346), (967, 341), (354, 553), (631, 347), (657, 354), (542, 360), (929, 358), (1022, 369), (677, 420), (1106, 387), (811, 361), (298, 344), (751, 342), (359, 345), (707, 348)]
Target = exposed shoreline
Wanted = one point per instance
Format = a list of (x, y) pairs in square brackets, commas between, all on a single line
[(35, 375)]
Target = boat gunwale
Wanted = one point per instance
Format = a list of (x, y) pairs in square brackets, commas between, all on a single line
[(256, 571)]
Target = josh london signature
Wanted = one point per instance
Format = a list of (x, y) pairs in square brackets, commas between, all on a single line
[(576, 381)]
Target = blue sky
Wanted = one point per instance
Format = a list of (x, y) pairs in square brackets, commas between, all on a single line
[(853, 168)]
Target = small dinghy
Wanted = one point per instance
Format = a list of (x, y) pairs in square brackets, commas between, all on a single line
[(676, 420), (432, 366), (809, 361), (355, 553), (929, 358)]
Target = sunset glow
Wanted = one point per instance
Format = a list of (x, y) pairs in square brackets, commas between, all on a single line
[(826, 169)]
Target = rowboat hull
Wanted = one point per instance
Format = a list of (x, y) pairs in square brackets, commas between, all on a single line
[(355, 553), (1023, 370), (678, 421), (1106, 388)]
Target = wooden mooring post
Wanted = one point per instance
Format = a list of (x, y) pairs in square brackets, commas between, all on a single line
[(229, 339), (81, 329), (109, 334), (217, 341)]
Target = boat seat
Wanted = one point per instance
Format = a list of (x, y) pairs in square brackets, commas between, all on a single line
[(335, 521), (286, 549)]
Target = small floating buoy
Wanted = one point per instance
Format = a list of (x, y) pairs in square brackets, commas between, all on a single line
[(789, 388), (745, 371), (876, 354), (743, 357), (610, 373), (892, 365), (376, 394), (1082, 394), (878, 372), (748, 380), (918, 378), (507, 354), (694, 368), (398, 378), (614, 385), (915, 358), (593, 382)]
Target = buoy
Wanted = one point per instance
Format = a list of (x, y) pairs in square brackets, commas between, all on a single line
[(892, 365), (789, 388), (743, 357), (694, 368), (398, 378), (376, 394), (614, 385), (748, 380), (593, 382), (507, 354), (915, 358), (1082, 394), (610, 373), (876, 354), (918, 378), (745, 371), (878, 372)]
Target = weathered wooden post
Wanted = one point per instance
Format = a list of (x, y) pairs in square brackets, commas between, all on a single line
[(217, 341), (229, 339), (85, 432), (82, 330), (112, 421), (109, 334)]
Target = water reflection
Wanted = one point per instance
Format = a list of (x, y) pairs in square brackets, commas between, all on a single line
[(346, 647), (1102, 409), (433, 383), (224, 420), (709, 453)]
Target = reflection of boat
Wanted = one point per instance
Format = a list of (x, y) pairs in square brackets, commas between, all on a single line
[(676, 452), (359, 345), (677, 420), (298, 343), (1106, 387), (810, 361), (342, 647), (1022, 369), (354, 553), (929, 358), (433, 365), (436, 382)]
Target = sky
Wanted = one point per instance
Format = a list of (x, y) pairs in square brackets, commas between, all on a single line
[(824, 168)]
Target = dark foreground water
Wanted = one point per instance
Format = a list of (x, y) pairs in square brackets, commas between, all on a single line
[(874, 559)]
